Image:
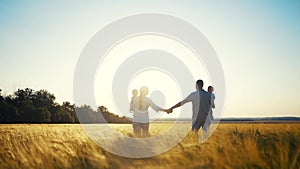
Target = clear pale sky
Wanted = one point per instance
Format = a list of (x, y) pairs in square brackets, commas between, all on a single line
[(257, 43)]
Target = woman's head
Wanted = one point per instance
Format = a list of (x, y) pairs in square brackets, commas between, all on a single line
[(144, 90)]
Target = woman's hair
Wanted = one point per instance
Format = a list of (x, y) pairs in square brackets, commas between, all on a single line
[(143, 92)]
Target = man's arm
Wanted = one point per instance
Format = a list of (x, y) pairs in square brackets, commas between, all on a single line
[(170, 110), (176, 105), (188, 99)]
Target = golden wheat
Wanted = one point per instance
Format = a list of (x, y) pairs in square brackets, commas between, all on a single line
[(230, 146)]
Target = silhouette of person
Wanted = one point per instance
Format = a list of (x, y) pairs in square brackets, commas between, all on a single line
[(201, 101), (141, 104), (209, 118), (134, 94)]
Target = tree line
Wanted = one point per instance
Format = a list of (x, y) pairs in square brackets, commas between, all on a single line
[(30, 106)]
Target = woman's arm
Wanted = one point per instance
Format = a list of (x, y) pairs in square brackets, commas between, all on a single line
[(155, 107)]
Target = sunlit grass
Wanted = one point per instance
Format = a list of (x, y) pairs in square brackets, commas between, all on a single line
[(230, 146)]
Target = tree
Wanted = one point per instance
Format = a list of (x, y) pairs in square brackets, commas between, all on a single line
[(86, 114), (41, 115), (110, 117), (30, 106), (1, 97), (67, 113), (8, 113), (43, 98)]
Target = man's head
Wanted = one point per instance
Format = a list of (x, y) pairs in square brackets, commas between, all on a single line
[(199, 84), (210, 89)]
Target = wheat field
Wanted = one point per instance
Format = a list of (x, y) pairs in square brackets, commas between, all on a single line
[(230, 146)]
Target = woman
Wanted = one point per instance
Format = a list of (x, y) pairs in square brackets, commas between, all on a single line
[(141, 105)]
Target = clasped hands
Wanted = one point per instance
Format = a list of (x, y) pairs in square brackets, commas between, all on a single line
[(170, 110)]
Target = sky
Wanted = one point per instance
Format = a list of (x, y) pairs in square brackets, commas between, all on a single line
[(257, 43)]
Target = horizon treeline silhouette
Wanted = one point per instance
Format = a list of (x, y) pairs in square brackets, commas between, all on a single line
[(30, 106)]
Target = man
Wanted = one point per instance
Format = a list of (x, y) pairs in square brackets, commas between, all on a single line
[(201, 101)]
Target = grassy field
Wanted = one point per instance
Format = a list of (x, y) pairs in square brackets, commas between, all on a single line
[(230, 146)]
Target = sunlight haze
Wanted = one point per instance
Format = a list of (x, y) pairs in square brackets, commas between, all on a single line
[(257, 44)]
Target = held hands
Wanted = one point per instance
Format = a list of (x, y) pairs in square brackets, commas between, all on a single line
[(168, 110)]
